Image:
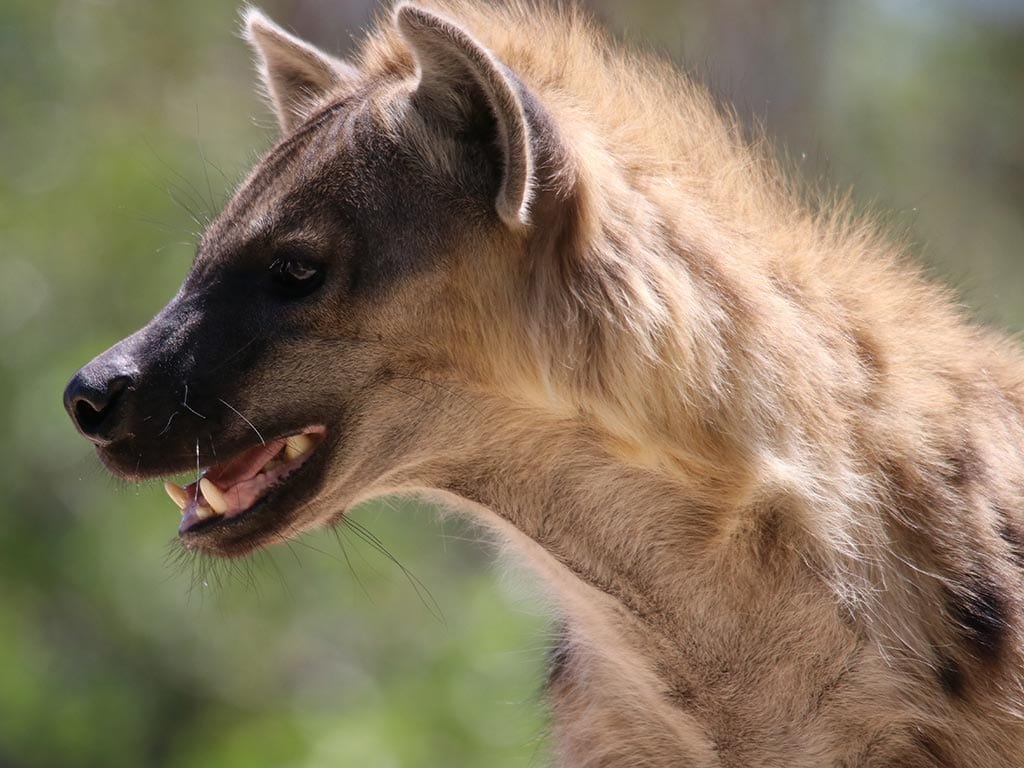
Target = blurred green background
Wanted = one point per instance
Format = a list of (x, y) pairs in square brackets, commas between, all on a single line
[(116, 116)]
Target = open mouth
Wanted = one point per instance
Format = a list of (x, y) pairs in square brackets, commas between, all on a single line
[(229, 489)]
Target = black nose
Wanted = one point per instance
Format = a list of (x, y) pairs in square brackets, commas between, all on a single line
[(92, 399)]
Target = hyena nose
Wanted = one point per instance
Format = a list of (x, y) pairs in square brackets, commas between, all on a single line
[(92, 400)]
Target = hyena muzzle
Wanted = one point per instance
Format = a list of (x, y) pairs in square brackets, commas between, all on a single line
[(771, 476)]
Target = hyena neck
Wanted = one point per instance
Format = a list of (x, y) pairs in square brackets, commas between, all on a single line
[(657, 597), (620, 529)]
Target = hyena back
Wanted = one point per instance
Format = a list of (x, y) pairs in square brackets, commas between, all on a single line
[(771, 476)]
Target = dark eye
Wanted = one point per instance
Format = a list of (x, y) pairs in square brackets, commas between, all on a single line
[(295, 276)]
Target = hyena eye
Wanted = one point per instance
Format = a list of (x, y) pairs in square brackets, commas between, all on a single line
[(295, 276)]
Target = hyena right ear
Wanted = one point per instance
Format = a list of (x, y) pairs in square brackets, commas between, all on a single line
[(297, 76)]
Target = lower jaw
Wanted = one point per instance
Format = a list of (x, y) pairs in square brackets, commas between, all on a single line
[(268, 521), (226, 539)]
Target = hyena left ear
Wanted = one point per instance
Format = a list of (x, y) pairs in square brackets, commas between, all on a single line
[(296, 75), (461, 80)]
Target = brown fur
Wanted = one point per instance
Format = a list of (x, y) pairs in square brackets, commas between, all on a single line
[(771, 475)]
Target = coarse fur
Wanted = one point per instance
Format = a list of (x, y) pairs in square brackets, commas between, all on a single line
[(771, 475)]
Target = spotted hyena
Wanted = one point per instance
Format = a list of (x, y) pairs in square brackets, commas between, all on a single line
[(772, 476)]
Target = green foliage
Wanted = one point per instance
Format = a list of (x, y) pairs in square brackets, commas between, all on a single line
[(117, 116)]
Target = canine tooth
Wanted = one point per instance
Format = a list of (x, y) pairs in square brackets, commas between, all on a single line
[(178, 494), (214, 496), (202, 512), (297, 446)]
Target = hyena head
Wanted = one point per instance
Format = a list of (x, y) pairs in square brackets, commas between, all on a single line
[(370, 252)]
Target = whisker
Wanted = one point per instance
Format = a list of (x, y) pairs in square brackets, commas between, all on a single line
[(198, 472), (169, 228), (421, 589), (267, 555), (343, 530), (190, 189), (236, 353), (168, 425), (184, 206), (348, 561), (202, 157), (186, 405), (239, 414)]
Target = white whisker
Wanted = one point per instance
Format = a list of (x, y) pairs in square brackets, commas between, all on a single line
[(198, 472), (242, 417), (184, 402)]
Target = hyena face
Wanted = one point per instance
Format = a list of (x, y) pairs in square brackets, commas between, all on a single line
[(326, 277)]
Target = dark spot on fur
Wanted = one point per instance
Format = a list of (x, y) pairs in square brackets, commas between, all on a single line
[(981, 611), (787, 288), (915, 501), (951, 676), (680, 695), (965, 466), (868, 354), (1013, 536), (930, 749), (559, 658), (768, 535), (898, 748)]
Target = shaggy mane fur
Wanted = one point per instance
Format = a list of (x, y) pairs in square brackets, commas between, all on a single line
[(789, 356)]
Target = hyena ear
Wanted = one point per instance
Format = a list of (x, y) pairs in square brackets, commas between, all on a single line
[(297, 76), (463, 85)]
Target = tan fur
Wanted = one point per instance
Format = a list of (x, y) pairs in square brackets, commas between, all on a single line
[(772, 476), (750, 448)]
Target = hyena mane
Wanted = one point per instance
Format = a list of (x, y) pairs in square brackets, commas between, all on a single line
[(771, 474)]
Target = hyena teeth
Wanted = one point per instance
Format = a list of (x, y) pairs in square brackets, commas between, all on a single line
[(214, 496), (202, 512), (297, 446), (178, 495)]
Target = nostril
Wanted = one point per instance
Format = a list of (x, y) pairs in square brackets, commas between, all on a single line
[(87, 415), (91, 405)]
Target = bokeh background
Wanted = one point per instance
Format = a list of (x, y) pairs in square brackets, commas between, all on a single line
[(117, 117)]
